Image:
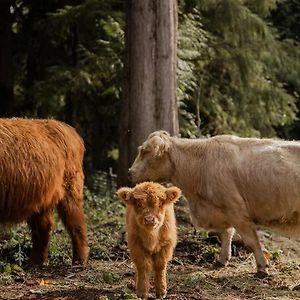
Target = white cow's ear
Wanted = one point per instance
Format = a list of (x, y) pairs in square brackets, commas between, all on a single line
[(164, 133), (172, 194), (159, 146), (125, 194)]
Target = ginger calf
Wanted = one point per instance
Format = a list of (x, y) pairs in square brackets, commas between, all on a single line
[(151, 232)]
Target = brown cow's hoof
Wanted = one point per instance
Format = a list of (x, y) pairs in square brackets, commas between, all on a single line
[(78, 267), (35, 262), (82, 259), (261, 274)]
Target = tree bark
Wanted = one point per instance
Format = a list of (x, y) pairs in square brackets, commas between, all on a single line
[(6, 61), (149, 100)]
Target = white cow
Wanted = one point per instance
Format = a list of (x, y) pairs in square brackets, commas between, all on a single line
[(230, 182)]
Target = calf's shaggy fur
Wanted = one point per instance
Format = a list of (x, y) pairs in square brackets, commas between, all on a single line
[(230, 182), (40, 169), (151, 232)]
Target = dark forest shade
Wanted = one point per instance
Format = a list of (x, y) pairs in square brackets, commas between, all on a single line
[(6, 66), (237, 69)]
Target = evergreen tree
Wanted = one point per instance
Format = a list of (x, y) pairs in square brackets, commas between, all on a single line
[(237, 88), (6, 61), (70, 68), (237, 68), (286, 20)]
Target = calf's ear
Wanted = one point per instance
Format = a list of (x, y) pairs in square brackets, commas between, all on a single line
[(172, 194), (125, 194)]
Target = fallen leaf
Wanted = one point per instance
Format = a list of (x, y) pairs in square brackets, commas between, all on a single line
[(36, 292)]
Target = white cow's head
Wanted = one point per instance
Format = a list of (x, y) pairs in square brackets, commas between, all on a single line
[(153, 161)]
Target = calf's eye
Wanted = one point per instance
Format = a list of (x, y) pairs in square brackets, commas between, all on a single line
[(139, 205)]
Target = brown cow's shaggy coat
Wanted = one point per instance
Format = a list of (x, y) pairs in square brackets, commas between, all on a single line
[(41, 168), (151, 232), (230, 182)]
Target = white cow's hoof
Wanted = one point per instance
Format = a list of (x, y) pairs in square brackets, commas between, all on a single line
[(261, 274)]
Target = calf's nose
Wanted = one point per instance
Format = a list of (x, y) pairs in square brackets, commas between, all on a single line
[(149, 220)]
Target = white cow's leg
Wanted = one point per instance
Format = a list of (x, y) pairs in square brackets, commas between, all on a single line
[(226, 239), (247, 230)]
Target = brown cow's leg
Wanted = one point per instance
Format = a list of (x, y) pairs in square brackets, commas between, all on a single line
[(40, 225), (72, 215), (248, 233)]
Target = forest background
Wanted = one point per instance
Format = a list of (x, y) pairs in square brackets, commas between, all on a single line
[(237, 72), (237, 68)]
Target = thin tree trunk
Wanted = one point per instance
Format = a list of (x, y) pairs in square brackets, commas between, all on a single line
[(6, 62), (71, 96), (150, 90)]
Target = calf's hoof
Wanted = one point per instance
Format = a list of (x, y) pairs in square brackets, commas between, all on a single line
[(142, 296), (161, 295), (261, 274)]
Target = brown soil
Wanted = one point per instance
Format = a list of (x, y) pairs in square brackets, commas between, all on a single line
[(191, 274)]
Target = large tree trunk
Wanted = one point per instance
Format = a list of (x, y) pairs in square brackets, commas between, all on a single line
[(6, 63), (150, 79)]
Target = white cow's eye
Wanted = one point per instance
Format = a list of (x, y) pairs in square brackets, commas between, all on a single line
[(144, 151)]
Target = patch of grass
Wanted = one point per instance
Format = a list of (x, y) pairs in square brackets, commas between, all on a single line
[(15, 247), (111, 277)]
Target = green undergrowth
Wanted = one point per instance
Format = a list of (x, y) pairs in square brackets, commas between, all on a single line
[(110, 273), (105, 222)]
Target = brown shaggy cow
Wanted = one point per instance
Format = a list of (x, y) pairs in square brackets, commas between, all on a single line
[(151, 232), (40, 169), (230, 182)]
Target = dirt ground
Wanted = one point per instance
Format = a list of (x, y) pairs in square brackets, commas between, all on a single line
[(110, 274), (190, 277)]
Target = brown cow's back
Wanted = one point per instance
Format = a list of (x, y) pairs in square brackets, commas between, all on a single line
[(37, 159)]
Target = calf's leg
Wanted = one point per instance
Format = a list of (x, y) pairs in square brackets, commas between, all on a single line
[(160, 261), (143, 265), (40, 225), (142, 280)]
